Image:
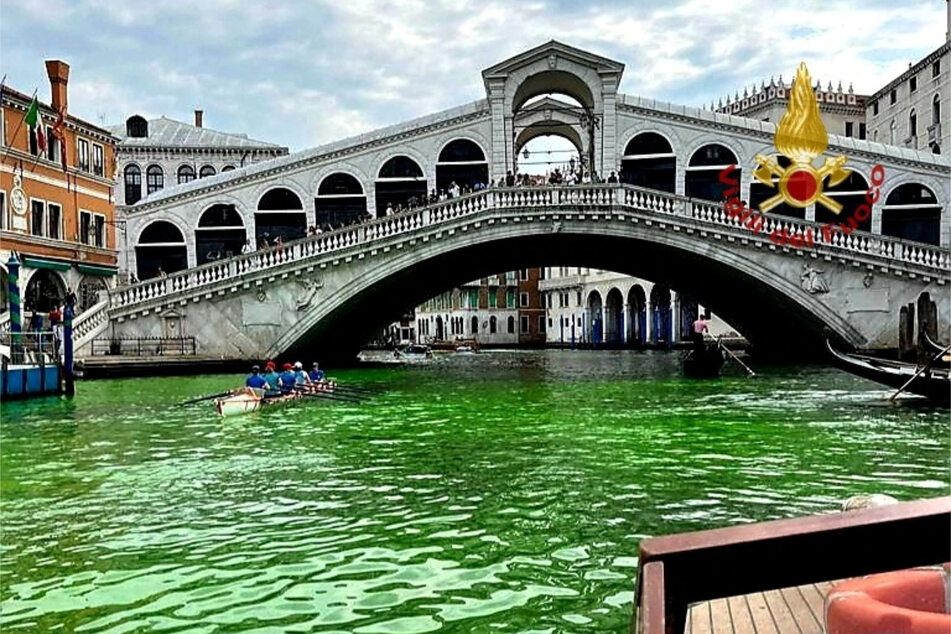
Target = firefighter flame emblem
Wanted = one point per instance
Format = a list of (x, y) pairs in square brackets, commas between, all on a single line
[(801, 137)]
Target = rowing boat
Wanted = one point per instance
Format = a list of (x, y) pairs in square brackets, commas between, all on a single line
[(248, 400)]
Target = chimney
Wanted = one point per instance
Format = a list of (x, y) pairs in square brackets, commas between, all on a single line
[(198, 117), (58, 72)]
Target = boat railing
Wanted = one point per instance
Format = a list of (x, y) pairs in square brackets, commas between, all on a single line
[(675, 571), (144, 346)]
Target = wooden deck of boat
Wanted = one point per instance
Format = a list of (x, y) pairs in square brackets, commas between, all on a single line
[(796, 610)]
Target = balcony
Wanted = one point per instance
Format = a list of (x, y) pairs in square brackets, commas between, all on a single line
[(28, 244)]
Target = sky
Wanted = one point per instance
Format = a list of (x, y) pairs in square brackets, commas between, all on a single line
[(301, 73)]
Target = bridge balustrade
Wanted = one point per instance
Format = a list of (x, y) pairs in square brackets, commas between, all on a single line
[(624, 198)]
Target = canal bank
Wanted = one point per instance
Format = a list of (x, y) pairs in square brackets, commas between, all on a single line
[(505, 490)]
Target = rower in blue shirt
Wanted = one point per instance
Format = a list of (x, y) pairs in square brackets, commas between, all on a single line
[(316, 374), (287, 379), (256, 381)]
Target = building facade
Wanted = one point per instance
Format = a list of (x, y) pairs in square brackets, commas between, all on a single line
[(587, 306), (913, 110), (56, 204), (842, 112), (504, 309)]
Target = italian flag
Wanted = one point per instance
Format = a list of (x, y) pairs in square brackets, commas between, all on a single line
[(35, 121)]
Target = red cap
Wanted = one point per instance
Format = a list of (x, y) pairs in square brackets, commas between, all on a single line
[(269, 365), (288, 366)]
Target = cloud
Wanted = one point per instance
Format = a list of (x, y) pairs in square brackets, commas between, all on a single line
[(305, 72)]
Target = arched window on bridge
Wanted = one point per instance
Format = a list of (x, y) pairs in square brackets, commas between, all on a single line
[(596, 333), (912, 212), (133, 184), (637, 305), (850, 193), (761, 192), (154, 178), (703, 171), (206, 170), (440, 333), (462, 162), (400, 180), (340, 200), (186, 174), (661, 315), (161, 246), (220, 234), (649, 161), (281, 214), (614, 317)]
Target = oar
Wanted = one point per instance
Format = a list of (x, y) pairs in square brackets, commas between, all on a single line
[(735, 358), (919, 373), (206, 398), (327, 394)]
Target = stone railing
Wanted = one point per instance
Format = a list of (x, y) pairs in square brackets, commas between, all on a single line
[(703, 215), (90, 323)]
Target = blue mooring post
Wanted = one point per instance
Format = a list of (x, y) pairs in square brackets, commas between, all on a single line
[(70, 388), (13, 292)]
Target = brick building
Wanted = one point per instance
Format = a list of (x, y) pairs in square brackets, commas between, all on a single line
[(56, 211)]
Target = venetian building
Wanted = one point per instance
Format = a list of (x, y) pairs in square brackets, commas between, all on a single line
[(157, 153), (56, 201)]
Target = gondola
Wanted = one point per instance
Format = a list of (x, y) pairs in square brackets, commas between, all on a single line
[(934, 383), (934, 347), (705, 365)]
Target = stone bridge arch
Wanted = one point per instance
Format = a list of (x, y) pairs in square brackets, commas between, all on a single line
[(769, 307)]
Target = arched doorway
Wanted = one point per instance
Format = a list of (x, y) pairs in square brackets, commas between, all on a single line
[(549, 154), (850, 193), (637, 304), (340, 200), (649, 161), (703, 170), (462, 162), (281, 214), (689, 311), (661, 315), (570, 104), (474, 325), (220, 234), (44, 291), (614, 317), (439, 329), (400, 184), (596, 327), (912, 212), (92, 289), (161, 248)]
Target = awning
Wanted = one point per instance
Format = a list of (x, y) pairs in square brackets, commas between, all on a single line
[(43, 263), (93, 269)]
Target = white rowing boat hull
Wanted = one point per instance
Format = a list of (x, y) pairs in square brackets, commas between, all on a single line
[(238, 404)]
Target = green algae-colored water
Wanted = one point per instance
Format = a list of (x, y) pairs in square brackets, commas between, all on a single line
[(502, 492)]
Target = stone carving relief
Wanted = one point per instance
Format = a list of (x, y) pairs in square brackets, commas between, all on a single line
[(812, 280), (308, 292)]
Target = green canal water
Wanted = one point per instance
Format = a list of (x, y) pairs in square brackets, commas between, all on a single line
[(503, 492)]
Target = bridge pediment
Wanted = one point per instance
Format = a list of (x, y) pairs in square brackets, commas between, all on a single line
[(551, 53)]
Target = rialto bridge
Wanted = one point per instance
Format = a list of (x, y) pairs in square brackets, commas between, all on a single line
[(664, 221)]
